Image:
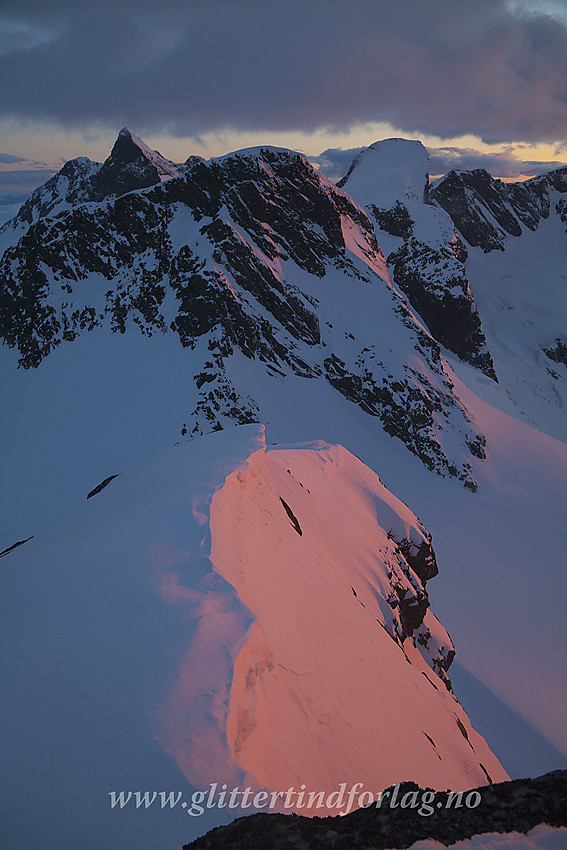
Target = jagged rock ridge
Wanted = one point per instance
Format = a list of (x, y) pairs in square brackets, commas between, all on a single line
[(131, 165), (516, 237), (253, 253), (486, 211)]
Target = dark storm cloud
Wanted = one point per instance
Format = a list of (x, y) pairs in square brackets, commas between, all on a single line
[(188, 66)]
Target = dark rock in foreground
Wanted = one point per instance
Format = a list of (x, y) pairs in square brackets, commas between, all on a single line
[(506, 807)]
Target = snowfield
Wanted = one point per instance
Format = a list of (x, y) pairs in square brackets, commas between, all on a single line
[(248, 606), (180, 611)]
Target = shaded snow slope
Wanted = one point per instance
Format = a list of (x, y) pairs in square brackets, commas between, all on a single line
[(78, 419), (518, 242), (151, 614), (425, 257), (165, 167), (503, 311), (507, 548), (521, 293)]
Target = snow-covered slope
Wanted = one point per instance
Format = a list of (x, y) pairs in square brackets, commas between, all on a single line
[(500, 302), (251, 257), (391, 170), (250, 289), (424, 255), (240, 606), (516, 265)]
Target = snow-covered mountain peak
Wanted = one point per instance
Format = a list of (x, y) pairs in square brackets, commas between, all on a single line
[(253, 254), (389, 170), (487, 211), (234, 588), (425, 257), (516, 241)]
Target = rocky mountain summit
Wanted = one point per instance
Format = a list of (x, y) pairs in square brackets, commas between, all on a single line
[(516, 237), (251, 255), (256, 255), (481, 261), (131, 165)]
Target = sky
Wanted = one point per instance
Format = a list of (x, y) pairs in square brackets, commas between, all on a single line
[(483, 83)]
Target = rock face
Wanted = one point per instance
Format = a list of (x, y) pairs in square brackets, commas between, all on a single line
[(426, 258), (486, 211), (516, 806), (435, 282), (516, 238), (130, 166), (254, 254), (558, 352), (127, 168)]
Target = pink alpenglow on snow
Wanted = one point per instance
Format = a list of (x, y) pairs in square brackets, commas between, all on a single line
[(225, 613), (297, 673)]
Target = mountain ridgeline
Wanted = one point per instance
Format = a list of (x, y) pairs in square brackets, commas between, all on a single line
[(257, 255), (487, 211)]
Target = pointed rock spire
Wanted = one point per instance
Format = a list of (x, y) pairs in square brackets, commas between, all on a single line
[(125, 148)]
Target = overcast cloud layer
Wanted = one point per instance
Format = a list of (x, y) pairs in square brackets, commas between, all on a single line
[(189, 66)]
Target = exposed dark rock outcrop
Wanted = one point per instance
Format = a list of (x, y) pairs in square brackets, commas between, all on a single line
[(228, 256), (486, 211), (435, 282), (14, 546), (292, 518), (128, 167), (96, 490), (429, 266), (558, 352), (516, 806)]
